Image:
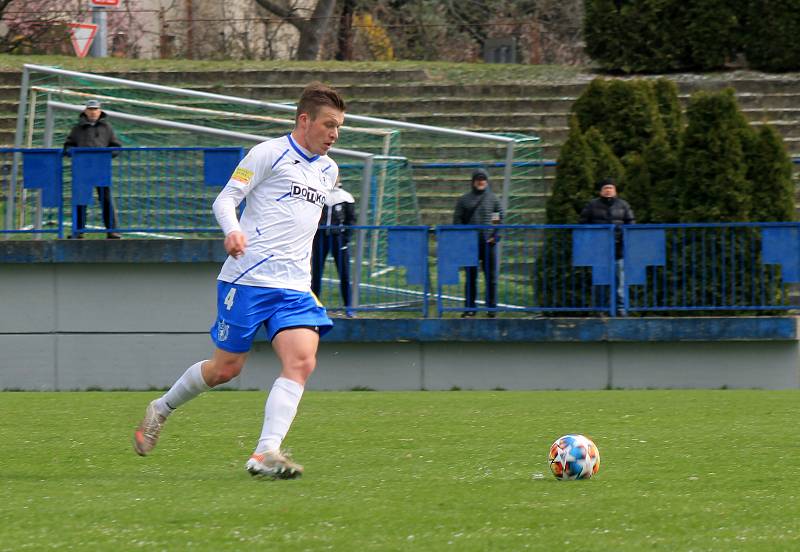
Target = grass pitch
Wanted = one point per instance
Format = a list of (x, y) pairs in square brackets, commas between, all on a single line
[(681, 470)]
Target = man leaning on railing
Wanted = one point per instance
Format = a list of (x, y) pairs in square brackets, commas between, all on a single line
[(610, 209), (480, 206), (94, 131)]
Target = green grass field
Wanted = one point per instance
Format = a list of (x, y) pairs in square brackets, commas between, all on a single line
[(681, 470)]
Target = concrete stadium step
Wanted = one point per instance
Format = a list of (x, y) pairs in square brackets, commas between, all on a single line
[(433, 217), (442, 203), (477, 119), (753, 100), (460, 104), (10, 77), (390, 107), (762, 84), (398, 89), (10, 92), (532, 194), (475, 151), (788, 129), (275, 76), (135, 214), (399, 93), (8, 120), (403, 102)]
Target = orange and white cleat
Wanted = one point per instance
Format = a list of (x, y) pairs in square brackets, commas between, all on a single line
[(273, 464), (146, 435)]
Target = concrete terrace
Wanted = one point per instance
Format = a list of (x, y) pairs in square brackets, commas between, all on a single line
[(529, 108)]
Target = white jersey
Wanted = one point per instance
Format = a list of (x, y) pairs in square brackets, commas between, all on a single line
[(285, 187)]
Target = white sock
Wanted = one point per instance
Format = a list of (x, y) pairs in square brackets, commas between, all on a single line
[(188, 386), (278, 413)]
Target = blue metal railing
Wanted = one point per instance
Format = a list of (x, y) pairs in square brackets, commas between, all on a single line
[(525, 268), (711, 267), (662, 269), (666, 268), (155, 190), (38, 175), (394, 273)]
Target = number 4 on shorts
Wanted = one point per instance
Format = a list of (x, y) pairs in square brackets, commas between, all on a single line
[(229, 298)]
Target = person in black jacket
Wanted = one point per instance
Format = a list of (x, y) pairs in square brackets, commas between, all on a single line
[(338, 214), (480, 206), (610, 209), (94, 131)]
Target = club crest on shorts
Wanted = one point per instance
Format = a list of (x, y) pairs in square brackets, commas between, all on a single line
[(222, 330)]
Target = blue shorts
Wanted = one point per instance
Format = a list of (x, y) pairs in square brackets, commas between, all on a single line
[(242, 309)]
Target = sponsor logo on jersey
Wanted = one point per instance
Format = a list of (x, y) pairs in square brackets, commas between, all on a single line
[(242, 175), (309, 194), (222, 331)]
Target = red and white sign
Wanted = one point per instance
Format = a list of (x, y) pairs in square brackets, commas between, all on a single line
[(105, 3), (82, 35)]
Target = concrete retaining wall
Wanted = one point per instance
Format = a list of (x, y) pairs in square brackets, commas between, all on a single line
[(135, 315)]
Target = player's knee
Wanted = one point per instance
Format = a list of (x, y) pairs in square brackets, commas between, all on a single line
[(302, 366), (224, 371)]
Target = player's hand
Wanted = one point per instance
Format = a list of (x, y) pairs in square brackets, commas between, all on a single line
[(235, 244)]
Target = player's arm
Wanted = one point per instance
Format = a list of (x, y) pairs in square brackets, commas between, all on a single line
[(225, 212), (239, 185)]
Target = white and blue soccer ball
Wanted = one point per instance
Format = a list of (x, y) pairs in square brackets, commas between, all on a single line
[(574, 457)]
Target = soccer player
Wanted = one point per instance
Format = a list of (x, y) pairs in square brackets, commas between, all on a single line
[(266, 277)]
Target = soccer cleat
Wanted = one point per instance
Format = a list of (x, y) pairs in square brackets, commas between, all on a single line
[(273, 464), (146, 435)]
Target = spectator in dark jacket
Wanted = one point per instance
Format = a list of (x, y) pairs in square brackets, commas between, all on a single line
[(338, 215), (94, 131), (480, 206), (610, 209)]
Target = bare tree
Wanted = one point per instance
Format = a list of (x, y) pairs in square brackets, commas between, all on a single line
[(344, 39), (312, 29)]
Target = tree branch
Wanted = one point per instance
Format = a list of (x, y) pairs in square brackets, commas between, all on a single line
[(282, 11)]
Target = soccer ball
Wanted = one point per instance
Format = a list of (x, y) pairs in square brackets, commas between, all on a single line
[(574, 457)]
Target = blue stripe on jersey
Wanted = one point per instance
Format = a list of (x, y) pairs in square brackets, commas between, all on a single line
[(326, 168), (300, 152), (279, 158), (284, 195), (259, 263)]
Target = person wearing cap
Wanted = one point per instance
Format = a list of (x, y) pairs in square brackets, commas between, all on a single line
[(94, 131), (610, 209), (480, 206)]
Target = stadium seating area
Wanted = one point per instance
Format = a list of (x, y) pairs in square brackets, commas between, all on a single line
[(410, 95)]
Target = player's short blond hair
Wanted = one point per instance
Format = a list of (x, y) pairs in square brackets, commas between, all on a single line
[(317, 95)]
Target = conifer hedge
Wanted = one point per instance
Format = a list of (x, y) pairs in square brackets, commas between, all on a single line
[(657, 36), (709, 166), (771, 32)]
